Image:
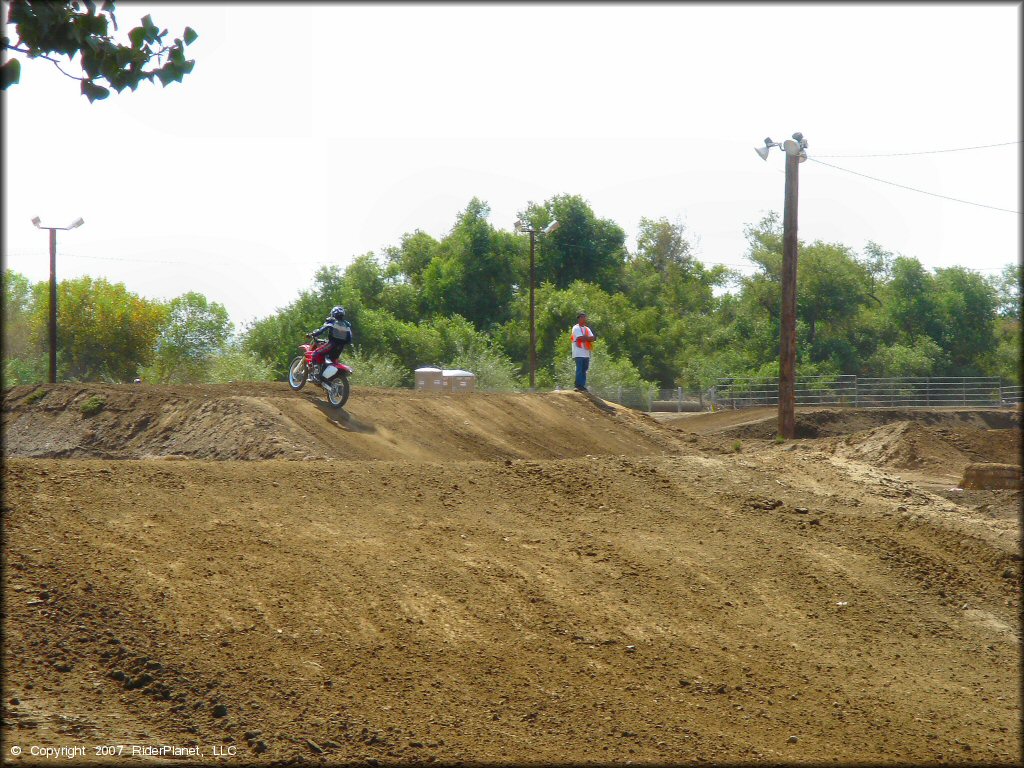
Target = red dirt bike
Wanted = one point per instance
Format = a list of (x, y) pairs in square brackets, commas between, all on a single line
[(333, 377)]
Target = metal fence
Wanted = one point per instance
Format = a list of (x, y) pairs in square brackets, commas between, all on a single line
[(853, 391), (871, 392), (924, 393), (744, 392), (640, 398), (678, 400), (1010, 395)]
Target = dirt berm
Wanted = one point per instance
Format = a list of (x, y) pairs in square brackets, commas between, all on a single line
[(268, 421), (510, 578)]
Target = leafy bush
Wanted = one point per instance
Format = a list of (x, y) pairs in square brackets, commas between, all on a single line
[(231, 363), (192, 372), (494, 370), (18, 371), (237, 365), (377, 370)]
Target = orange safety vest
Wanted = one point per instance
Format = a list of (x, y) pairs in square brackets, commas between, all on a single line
[(583, 341)]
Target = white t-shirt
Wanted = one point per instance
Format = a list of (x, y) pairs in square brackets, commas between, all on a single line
[(581, 350)]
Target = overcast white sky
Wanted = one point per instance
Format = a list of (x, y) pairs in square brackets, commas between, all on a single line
[(310, 134)]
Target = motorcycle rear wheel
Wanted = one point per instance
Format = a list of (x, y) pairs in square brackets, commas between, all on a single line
[(337, 395), (297, 373)]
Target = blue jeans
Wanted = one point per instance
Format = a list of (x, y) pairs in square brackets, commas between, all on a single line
[(582, 365)]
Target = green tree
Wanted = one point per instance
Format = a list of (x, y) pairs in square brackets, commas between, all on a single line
[(832, 287), (472, 270), (1005, 360), (764, 248), (878, 262), (365, 277), (413, 256), (664, 272), (1006, 286), (23, 355), (583, 247), (922, 357), (764, 244), (195, 331), (674, 294), (967, 307), (911, 301), (50, 30), (18, 339), (104, 331)]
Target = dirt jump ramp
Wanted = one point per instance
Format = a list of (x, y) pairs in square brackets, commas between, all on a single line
[(247, 422)]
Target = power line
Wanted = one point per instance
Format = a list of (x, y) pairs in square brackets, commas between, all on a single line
[(136, 261), (139, 261), (914, 189), (930, 151), (106, 258)]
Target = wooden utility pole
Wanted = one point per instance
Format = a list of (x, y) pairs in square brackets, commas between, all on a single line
[(533, 325), (53, 306), (787, 345)]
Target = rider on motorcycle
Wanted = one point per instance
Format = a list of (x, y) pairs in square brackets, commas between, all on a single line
[(339, 334)]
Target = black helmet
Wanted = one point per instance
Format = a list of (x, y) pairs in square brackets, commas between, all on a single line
[(338, 313)]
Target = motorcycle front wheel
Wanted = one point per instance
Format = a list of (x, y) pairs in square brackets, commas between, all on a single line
[(337, 395), (297, 373)]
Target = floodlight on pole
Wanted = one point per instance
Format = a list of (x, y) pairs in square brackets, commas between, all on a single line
[(763, 151), (53, 288)]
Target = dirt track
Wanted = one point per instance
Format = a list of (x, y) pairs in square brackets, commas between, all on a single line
[(462, 581)]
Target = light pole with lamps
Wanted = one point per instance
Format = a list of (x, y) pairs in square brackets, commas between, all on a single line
[(522, 226), (796, 153), (53, 290)]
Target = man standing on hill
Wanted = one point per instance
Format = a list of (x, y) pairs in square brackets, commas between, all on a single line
[(582, 342)]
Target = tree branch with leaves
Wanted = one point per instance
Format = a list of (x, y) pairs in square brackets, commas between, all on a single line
[(52, 30)]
